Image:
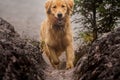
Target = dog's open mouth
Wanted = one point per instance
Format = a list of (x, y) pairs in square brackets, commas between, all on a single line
[(60, 21)]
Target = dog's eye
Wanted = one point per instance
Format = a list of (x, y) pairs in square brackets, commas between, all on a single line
[(63, 6), (54, 6)]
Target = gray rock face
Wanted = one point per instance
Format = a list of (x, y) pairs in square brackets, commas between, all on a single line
[(103, 59), (19, 59)]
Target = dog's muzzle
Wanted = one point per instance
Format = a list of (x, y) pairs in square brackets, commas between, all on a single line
[(59, 15), (60, 21)]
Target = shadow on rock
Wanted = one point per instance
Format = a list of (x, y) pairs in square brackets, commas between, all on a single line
[(102, 61), (20, 59)]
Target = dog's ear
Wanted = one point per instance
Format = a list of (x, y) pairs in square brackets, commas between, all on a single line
[(48, 5), (70, 5)]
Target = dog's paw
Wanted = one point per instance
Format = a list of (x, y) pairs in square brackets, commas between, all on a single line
[(56, 66), (69, 65)]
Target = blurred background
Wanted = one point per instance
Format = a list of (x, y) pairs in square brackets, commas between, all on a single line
[(24, 15)]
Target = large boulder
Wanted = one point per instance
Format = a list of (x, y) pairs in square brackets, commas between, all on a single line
[(20, 59), (102, 61)]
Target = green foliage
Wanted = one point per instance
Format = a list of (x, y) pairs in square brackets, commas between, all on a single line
[(98, 16), (87, 37)]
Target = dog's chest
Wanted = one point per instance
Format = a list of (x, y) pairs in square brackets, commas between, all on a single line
[(58, 40)]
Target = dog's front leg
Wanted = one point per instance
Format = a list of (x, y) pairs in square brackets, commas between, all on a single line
[(70, 57), (53, 57)]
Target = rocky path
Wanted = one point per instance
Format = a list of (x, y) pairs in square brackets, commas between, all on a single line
[(54, 74)]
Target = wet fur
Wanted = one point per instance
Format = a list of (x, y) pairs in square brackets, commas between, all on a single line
[(56, 38)]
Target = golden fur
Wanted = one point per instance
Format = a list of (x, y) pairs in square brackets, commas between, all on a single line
[(56, 33)]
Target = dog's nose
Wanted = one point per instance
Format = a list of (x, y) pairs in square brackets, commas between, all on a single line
[(59, 15)]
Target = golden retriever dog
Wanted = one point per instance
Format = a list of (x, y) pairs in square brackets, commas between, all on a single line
[(56, 33)]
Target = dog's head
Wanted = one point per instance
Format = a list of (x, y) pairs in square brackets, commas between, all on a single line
[(59, 9)]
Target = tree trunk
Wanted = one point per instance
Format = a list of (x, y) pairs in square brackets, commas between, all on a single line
[(94, 22)]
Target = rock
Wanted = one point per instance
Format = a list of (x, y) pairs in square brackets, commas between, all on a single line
[(20, 59), (102, 61)]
